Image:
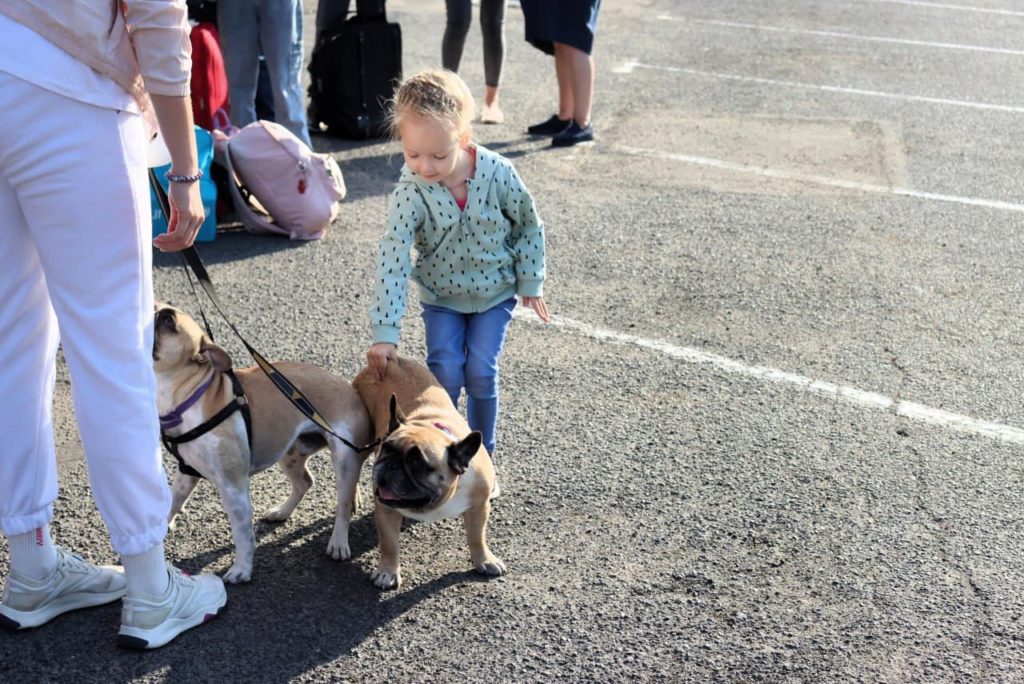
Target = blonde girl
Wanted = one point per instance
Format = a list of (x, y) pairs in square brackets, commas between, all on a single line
[(479, 243)]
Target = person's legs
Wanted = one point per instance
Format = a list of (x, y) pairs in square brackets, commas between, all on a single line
[(485, 338), (446, 347), (280, 35), (28, 468), (564, 72), (455, 29), (575, 70), (73, 248), (492, 26), (580, 66), (327, 13), (238, 22), (582, 85), (94, 248)]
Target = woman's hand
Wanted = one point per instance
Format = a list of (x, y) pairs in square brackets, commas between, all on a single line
[(538, 305), (187, 216), (378, 356)]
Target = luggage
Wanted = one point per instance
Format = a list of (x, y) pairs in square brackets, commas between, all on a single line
[(209, 80), (207, 190), (298, 188), (355, 68)]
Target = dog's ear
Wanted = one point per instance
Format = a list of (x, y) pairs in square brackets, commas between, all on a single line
[(459, 455), (396, 416), (214, 355)]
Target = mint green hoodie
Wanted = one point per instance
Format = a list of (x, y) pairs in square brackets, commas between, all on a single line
[(467, 260)]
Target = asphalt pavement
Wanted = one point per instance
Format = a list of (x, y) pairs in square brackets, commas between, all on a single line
[(775, 431)]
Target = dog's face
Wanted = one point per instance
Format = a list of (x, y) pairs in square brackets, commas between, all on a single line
[(418, 467), (178, 342)]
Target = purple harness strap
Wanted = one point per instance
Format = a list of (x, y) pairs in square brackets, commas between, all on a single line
[(174, 418)]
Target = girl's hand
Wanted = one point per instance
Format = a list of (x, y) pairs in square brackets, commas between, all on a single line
[(538, 305), (378, 356), (187, 216)]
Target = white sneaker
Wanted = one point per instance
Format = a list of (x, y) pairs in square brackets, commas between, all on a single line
[(495, 490), (152, 621), (73, 584)]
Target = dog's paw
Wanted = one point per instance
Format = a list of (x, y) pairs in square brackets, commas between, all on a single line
[(172, 523), (385, 579), (277, 514), (492, 567), (338, 548), (238, 574)]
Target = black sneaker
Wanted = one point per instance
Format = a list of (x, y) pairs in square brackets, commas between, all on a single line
[(573, 134), (549, 127)]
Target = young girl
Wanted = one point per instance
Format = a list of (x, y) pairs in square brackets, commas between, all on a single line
[(478, 241)]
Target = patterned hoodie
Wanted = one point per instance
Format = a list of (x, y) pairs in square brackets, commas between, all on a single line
[(467, 260)]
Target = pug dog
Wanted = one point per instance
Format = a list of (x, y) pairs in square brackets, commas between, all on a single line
[(430, 465), (185, 360)]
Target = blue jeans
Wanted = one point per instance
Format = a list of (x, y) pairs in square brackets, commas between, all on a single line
[(273, 28), (463, 351)]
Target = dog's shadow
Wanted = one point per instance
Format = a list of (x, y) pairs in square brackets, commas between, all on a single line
[(302, 609)]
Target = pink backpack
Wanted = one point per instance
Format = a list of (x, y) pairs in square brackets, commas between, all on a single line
[(297, 187)]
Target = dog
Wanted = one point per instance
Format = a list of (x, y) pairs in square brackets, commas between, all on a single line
[(183, 358), (430, 465)]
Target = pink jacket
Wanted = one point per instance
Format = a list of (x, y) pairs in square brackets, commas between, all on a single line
[(142, 45)]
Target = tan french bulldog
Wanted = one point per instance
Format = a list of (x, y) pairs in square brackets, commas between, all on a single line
[(430, 466), (184, 359)]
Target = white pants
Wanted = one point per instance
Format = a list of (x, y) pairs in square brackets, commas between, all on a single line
[(76, 268)]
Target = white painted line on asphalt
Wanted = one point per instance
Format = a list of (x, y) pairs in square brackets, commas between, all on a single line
[(630, 66), (965, 8), (820, 180), (851, 36), (851, 395)]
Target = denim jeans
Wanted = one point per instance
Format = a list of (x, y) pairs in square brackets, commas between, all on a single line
[(463, 351), (272, 28)]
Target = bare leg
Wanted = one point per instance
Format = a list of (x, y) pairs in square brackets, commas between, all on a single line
[(491, 111), (581, 68), (564, 72)]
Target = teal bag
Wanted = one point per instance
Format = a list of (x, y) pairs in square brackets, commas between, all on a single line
[(207, 190)]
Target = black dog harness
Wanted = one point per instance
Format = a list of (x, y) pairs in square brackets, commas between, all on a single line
[(239, 403)]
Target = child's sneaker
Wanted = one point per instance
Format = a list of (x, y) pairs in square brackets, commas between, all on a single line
[(151, 621), (73, 584)]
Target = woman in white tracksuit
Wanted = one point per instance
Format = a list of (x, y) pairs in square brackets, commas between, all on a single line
[(75, 269)]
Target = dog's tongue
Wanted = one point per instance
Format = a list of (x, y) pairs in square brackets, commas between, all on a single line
[(386, 494)]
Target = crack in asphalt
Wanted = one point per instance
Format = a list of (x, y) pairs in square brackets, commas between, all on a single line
[(939, 529)]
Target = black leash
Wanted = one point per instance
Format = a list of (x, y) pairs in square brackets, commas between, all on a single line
[(192, 262)]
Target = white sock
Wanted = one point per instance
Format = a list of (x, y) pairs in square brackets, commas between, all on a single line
[(147, 572), (33, 555)]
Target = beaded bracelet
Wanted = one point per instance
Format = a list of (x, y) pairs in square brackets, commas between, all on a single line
[(176, 178)]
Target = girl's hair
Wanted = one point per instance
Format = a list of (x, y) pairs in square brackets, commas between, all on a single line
[(436, 94)]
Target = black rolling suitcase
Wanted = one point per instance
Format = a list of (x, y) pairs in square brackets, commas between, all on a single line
[(355, 68)]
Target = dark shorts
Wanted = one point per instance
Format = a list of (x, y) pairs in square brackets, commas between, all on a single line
[(572, 22)]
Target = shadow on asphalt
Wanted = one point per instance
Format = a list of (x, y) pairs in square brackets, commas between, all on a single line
[(301, 611)]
